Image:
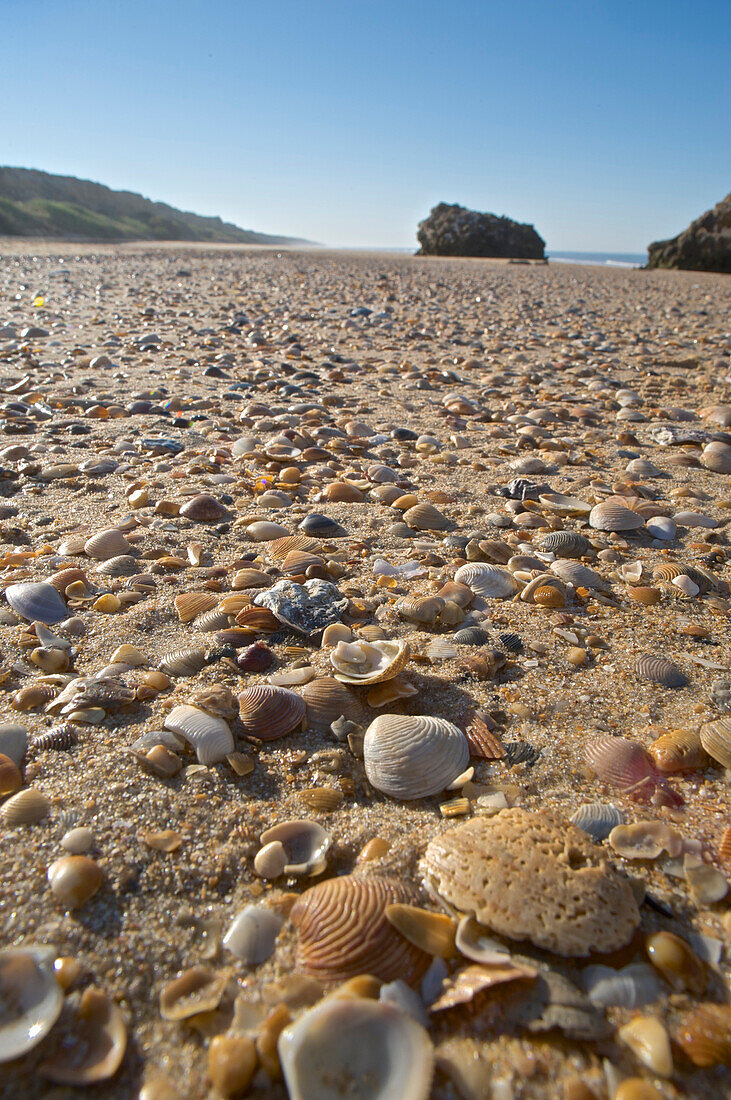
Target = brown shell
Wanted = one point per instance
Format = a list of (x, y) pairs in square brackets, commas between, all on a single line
[(278, 549), (618, 761), (257, 620), (425, 517), (65, 577), (715, 737), (483, 743), (668, 571), (704, 1035), (191, 604), (11, 779), (343, 931), (678, 751), (251, 578), (327, 699), (203, 508), (299, 561), (231, 605), (32, 696), (343, 492), (321, 799), (269, 712)]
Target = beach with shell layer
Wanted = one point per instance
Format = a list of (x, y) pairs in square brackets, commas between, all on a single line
[(365, 677)]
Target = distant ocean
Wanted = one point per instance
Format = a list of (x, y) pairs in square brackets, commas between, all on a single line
[(613, 259)]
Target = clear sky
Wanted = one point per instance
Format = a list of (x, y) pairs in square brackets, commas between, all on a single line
[(603, 122)]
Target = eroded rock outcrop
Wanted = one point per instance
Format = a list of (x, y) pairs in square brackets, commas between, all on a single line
[(452, 230), (704, 246)]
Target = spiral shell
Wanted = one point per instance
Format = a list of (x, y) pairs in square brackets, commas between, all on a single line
[(60, 738), (209, 736), (715, 737), (27, 807), (618, 761), (105, 544), (327, 700), (183, 662), (36, 600), (565, 544), (343, 931), (269, 712), (408, 756), (612, 516), (489, 581), (658, 670), (678, 751), (425, 517)]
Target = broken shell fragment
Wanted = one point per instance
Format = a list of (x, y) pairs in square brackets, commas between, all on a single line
[(704, 1035), (409, 756), (432, 932), (194, 991), (646, 840), (209, 736), (30, 998), (99, 1041), (649, 1042), (253, 933), (368, 662)]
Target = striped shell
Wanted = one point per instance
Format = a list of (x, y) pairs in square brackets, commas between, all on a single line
[(678, 751), (27, 807), (668, 571), (425, 517), (472, 635), (611, 516), (630, 987), (620, 762), (60, 738), (572, 572), (658, 670), (413, 756), (191, 604), (298, 562), (327, 700), (215, 619), (565, 544), (258, 620), (109, 543), (39, 601), (704, 1035), (183, 662), (715, 737), (420, 609), (487, 580), (343, 931), (597, 819), (269, 712), (278, 549), (123, 565), (323, 800), (209, 736)]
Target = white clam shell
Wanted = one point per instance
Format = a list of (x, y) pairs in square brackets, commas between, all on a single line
[(331, 1049), (612, 516), (30, 998), (413, 756), (572, 572), (252, 934), (210, 737), (13, 741), (486, 580), (630, 987), (109, 543), (36, 600)]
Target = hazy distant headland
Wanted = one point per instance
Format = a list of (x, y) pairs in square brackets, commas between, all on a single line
[(39, 204)]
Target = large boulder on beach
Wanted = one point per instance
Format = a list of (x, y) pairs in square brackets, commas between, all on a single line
[(704, 246), (452, 230)]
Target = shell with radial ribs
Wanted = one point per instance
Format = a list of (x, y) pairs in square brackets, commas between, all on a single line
[(489, 581), (573, 572), (109, 543), (269, 712), (678, 750), (620, 762), (183, 662), (565, 544), (612, 516), (425, 517), (368, 662), (343, 931), (413, 756), (208, 735), (658, 670), (326, 700), (715, 737), (597, 819)]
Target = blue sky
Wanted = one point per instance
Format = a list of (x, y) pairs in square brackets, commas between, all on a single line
[(603, 122)]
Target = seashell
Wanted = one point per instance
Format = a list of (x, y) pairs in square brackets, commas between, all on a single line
[(326, 700), (472, 635), (565, 544), (97, 1046), (50, 660), (257, 658), (706, 883), (630, 987), (343, 492), (108, 543), (299, 561), (543, 580), (658, 670), (264, 531), (454, 592), (191, 604), (645, 840), (489, 581), (13, 741), (269, 712), (580, 576), (431, 932), (715, 737), (194, 991), (612, 516), (321, 526), (203, 508), (36, 600), (236, 637), (563, 505), (343, 931), (74, 880), (33, 695), (232, 1063), (58, 739), (620, 762), (30, 998), (11, 779), (483, 665), (305, 846), (425, 517), (649, 1042), (482, 742), (548, 595), (258, 620), (215, 619), (678, 751), (409, 756), (209, 736), (678, 963), (183, 662), (368, 662), (420, 609), (661, 527), (121, 565), (331, 1050), (253, 933), (716, 456), (473, 941), (321, 799), (278, 549), (668, 571), (251, 578), (597, 819), (128, 655), (27, 807), (463, 987), (387, 494), (65, 577), (390, 691), (704, 1035), (216, 699)]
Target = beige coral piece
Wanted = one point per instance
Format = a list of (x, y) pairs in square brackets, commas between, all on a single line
[(531, 877)]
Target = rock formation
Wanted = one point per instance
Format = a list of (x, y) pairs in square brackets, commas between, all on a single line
[(704, 246), (452, 230)]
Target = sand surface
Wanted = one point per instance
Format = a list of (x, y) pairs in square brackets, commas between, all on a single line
[(561, 375)]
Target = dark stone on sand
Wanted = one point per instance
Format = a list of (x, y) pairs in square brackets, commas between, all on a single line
[(704, 246), (452, 230)]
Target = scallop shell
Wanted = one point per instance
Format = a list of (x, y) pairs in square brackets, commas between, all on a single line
[(334, 1048), (487, 580), (278, 549), (343, 931), (658, 670), (97, 1046), (27, 807), (420, 609), (36, 600), (368, 663), (580, 576), (715, 737), (30, 998), (612, 516), (678, 751), (472, 635), (327, 700), (191, 604), (413, 756), (122, 565), (183, 662), (298, 562), (597, 819), (620, 762), (105, 544), (252, 934), (210, 737), (425, 517), (565, 544), (321, 799), (251, 578), (258, 620), (215, 619), (269, 712)]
